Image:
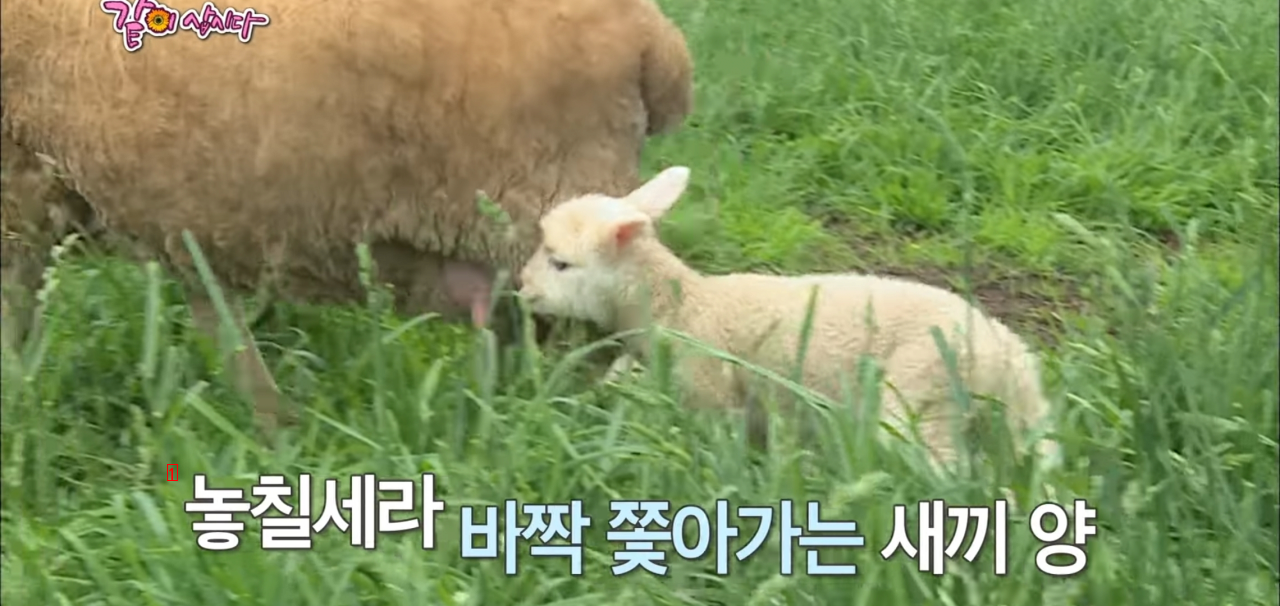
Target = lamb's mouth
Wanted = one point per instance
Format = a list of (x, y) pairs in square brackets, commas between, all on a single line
[(534, 302)]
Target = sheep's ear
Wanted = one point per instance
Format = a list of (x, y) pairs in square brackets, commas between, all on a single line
[(657, 196)]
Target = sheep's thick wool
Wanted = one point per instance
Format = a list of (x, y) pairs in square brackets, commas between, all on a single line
[(334, 123), (337, 122)]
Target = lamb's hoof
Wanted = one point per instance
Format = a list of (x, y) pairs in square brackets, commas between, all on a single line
[(623, 367)]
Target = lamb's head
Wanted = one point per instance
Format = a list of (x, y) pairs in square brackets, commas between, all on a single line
[(590, 249)]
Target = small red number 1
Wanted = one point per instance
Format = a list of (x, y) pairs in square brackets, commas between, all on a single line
[(171, 472)]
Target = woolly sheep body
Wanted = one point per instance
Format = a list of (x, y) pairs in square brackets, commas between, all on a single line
[(600, 261), (339, 122)]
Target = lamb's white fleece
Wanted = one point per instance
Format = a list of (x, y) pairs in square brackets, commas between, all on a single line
[(600, 260)]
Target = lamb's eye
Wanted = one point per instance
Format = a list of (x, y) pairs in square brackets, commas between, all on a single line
[(558, 264)]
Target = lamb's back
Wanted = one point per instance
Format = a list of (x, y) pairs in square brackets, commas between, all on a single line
[(848, 306), (761, 317)]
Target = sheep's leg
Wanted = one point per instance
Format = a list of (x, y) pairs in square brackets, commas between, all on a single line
[(263, 312), (20, 280), (250, 374), (31, 221)]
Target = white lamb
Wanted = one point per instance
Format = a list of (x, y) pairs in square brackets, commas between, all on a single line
[(601, 261)]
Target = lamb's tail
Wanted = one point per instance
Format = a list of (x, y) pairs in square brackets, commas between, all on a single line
[(666, 78)]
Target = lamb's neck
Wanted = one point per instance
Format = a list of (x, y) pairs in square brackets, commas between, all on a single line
[(659, 282)]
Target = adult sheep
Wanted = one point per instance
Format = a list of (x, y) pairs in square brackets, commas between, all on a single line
[(335, 123)]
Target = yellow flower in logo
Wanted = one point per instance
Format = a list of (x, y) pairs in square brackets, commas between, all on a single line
[(157, 20)]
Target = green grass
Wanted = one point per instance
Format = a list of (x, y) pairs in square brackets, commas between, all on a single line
[(1104, 172)]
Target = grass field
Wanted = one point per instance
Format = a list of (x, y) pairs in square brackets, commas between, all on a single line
[(1101, 172)]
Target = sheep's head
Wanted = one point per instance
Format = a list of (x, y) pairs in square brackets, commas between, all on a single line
[(589, 254)]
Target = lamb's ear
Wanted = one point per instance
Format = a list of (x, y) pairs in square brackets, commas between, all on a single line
[(657, 196), (621, 232)]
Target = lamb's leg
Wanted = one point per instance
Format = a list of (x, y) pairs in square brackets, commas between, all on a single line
[(623, 367), (747, 388), (250, 374), (936, 430), (757, 423)]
